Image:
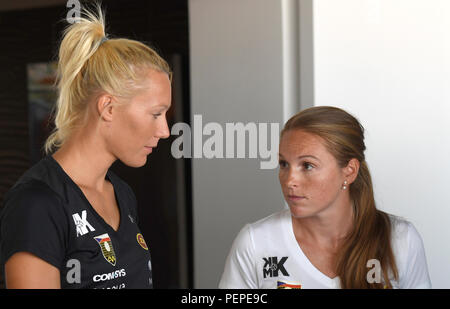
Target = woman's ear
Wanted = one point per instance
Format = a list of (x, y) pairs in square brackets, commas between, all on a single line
[(351, 170), (104, 107)]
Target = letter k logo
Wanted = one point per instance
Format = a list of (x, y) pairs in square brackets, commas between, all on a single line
[(81, 223), (272, 266)]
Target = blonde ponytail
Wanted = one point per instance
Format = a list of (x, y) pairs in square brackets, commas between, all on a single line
[(88, 65)]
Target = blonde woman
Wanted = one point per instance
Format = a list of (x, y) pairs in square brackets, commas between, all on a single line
[(332, 235), (70, 222)]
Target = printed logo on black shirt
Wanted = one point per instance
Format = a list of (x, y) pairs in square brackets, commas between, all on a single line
[(141, 241), (81, 223), (107, 248), (272, 266)]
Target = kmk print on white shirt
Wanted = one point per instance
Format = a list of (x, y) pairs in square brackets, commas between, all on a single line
[(272, 267)]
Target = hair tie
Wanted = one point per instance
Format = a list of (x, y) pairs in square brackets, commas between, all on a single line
[(104, 39)]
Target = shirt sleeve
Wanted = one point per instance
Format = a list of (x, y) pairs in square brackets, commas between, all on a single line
[(33, 220), (416, 270), (239, 272)]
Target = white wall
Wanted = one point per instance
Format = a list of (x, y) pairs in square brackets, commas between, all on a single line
[(385, 61), (237, 75), (388, 63)]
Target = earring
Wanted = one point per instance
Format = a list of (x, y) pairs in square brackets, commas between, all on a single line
[(345, 185)]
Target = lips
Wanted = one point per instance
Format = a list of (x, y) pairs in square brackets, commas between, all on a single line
[(150, 147), (292, 197)]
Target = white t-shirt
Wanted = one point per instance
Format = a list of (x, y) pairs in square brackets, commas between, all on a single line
[(266, 255)]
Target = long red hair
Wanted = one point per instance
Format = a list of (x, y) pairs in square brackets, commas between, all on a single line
[(370, 237)]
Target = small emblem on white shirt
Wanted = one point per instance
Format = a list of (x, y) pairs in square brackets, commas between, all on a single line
[(272, 267), (288, 285), (81, 223)]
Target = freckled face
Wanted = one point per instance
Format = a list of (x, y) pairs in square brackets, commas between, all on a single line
[(310, 176), (138, 124)]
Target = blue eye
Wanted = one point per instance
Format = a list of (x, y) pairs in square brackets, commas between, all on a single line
[(308, 166)]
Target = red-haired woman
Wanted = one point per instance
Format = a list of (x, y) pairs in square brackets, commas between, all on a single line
[(332, 235)]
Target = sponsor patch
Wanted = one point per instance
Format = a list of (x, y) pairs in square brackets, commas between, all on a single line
[(272, 267), (286, 285), (141, 241), (106, 246), (81, 223), (109, 276)]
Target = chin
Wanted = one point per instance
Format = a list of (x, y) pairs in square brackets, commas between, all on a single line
[(300, 212), (134, 162)]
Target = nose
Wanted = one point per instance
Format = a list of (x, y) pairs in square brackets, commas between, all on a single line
[(163, 130), (291, 179)]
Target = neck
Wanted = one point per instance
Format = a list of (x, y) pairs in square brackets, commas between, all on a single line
[(328, 228), (85, 159)]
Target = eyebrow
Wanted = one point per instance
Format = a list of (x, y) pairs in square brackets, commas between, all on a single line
[(302, 157), (163, 106)]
